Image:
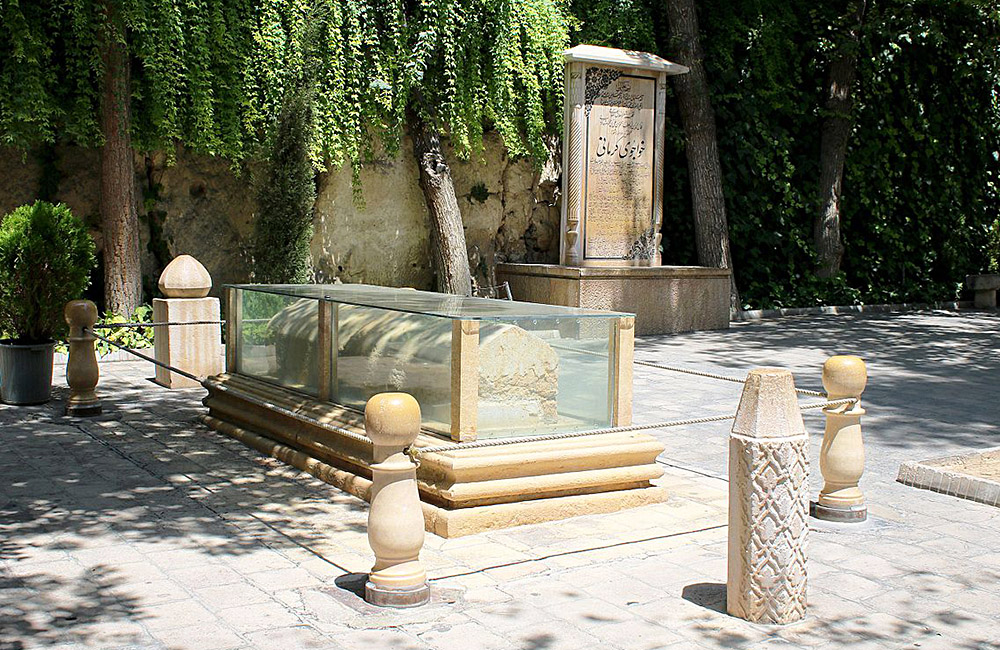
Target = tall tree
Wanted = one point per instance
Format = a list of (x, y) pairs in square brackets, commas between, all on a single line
[(125, 75), (475, 62), (698, 119), (836, 132), (451, 256), (119, 215)]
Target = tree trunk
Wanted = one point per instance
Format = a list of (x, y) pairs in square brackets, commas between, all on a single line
[(119, 219), (698, 119), (835, 133), (451, 256)]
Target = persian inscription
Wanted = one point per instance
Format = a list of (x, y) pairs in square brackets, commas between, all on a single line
[(619, 165)]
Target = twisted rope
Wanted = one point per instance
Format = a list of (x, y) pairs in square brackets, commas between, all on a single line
[(112, 326), (502, 442), (712, 375)]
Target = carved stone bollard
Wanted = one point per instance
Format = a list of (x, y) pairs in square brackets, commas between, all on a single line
[(82, 371), (395, 520), (185, 283), (842, 457), (768, 502)]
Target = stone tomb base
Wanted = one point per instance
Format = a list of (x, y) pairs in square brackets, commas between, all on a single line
[(664, 299), (464, 491)]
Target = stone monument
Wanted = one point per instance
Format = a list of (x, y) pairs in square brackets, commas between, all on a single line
[(612, 202), (768, 502), (194, 348)]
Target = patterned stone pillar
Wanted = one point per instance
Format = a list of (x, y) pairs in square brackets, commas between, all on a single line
[(768, 502)]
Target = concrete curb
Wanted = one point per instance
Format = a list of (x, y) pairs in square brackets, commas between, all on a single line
[(930, 475), (761, 314)]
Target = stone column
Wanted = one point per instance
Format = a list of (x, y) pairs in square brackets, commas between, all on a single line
[(842, 457), (82, 371), (194, 348), (768, 502), (395, 520)]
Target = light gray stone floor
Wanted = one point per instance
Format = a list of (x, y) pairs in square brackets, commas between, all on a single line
[(143, 529)]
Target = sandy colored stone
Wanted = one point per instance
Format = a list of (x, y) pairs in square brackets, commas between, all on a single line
[(664, 299), (462, 490), (185, 277), (395, 521), (842, 457), (196, 349), (768, 502), (518, 378), (613, 153)]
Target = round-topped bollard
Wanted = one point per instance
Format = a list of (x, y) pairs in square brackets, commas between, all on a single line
[(395, 520), (82, 372), (185, 277), (842, 456)]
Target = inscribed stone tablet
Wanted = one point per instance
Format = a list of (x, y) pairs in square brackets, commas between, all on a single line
[(620, 116)]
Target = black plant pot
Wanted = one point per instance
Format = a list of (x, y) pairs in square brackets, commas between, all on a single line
[(25, 372)]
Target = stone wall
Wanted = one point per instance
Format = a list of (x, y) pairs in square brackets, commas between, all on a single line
[(201, 207)]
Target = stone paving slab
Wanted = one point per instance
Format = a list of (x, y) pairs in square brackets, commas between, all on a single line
[(144, 529)]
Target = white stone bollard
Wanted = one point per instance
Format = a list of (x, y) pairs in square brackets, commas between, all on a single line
[(82, 372), (395, 520), (842, 456), (194, 348), (768, 502)]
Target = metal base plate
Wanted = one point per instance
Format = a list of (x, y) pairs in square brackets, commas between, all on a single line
[(852, 514), (397, 597)]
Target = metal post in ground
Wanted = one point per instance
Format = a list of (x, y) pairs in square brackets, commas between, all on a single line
[(395, 520), (768, 502), (842, 457), (82, 372)]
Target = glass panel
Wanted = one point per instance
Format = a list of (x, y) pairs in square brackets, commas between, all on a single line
[(379, 350), (539, 376), (279, 340), (428, 303)]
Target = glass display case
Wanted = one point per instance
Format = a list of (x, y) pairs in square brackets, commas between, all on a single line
[(479, 368)]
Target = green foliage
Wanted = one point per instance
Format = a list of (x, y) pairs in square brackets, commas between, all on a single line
[(494, 62), (921, 191), (923, 177), (130, 337), (46, 257), (283, 225), (216, 75), (188, 66)]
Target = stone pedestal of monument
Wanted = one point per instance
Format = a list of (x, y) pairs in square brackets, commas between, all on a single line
[(664, 299), (194, 348), (612, 203)]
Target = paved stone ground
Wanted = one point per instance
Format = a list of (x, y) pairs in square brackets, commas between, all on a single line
[(143, 529)]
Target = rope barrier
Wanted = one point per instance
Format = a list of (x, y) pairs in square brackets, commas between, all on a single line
[(686, 371), (182, 373), (712, 375), (111, 326), (823, 405), (501, 442), (414, 452)]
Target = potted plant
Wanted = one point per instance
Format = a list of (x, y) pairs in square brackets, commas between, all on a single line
[(46, 257)]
